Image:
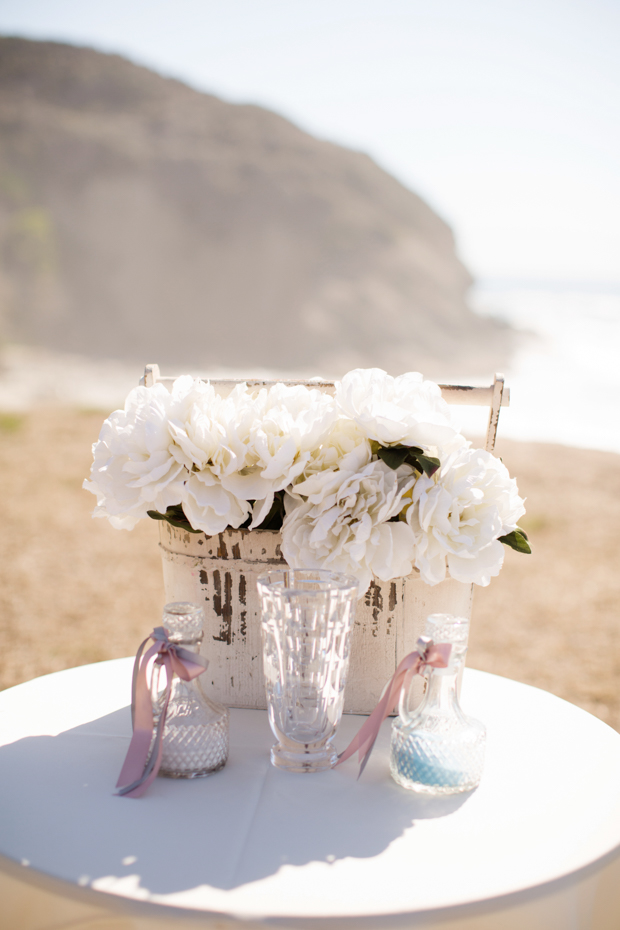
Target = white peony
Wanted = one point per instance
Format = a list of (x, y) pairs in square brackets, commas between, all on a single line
[(458, 514), (338, 519), (212, 437), (134, 470), (344, 436), (209, 506), (224, 459), (213, 432), (290, 423), (397, 411)]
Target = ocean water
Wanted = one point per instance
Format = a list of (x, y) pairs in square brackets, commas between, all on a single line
[(565, 378)]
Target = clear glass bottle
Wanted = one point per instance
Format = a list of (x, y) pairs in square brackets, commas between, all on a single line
[(195, 736), (437, 749)]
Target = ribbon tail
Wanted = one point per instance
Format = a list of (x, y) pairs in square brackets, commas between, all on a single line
[(365, 739), (139, 769), (366, 746), (134, 677), (139, 750), (137, 787), (366, 757)]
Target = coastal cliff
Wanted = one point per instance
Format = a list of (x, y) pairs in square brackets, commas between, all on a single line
[(142, 219)]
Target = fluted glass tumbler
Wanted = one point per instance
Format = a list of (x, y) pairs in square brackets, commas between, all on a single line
[(307, 617)]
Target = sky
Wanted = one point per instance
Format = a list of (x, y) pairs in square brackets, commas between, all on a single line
[(504, 116)]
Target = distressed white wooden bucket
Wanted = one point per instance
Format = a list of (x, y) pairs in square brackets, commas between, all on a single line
[(220, 572)]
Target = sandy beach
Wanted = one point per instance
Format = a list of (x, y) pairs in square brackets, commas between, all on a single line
[(73, 590)]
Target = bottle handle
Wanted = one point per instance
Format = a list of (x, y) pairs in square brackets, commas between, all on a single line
[(405, 712)]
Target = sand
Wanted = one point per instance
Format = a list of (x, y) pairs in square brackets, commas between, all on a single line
[(73, 590)]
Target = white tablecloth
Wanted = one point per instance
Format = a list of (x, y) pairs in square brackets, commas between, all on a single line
[(534, 847)]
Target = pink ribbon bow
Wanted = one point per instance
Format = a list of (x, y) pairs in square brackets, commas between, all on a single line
[(140, 769), (427, 654)]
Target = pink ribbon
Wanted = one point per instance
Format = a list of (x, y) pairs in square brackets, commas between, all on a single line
[(139, 769), (427, 654)]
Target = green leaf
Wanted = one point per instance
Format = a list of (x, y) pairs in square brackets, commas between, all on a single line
[(393, 456), (175, 517), (517, 540), (428, 463)]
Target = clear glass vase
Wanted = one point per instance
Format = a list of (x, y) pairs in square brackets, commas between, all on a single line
[(437, 749), (195, 735), (307, 618)]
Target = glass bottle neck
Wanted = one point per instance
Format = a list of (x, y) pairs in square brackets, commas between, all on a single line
[(187, 640)]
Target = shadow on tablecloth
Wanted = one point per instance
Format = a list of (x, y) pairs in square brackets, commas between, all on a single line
[(238, 826)]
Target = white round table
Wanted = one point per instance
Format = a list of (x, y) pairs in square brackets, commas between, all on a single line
[(535, 846)]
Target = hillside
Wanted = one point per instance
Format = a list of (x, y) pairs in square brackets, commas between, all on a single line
[(141, 219)]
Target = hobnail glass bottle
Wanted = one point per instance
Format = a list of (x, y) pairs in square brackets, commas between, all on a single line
[(437, 749), (195, 735)]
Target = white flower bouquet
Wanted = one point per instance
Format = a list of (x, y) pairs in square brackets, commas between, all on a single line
[(373, 481)]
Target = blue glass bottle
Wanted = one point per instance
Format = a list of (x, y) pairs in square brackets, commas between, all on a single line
[(437, 749)]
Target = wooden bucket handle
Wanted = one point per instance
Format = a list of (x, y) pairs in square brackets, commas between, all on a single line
[(494, 396)]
